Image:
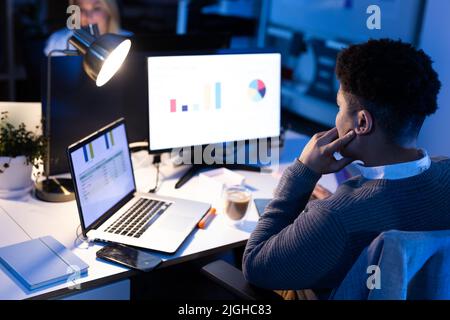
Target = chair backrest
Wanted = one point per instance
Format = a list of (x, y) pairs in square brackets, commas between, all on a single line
[(400, 266)]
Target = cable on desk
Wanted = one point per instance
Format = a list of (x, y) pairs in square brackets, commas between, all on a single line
[(157, 163), (85, 241)]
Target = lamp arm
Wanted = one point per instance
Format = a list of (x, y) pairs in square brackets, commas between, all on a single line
[(48, 104)]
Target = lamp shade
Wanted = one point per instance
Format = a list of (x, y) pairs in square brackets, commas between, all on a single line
[(103, 56)]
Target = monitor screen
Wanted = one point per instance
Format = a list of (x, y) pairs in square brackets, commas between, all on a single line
[(206, 99), (103, 173)]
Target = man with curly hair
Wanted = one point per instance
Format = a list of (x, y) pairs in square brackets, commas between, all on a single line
[(387, 89)]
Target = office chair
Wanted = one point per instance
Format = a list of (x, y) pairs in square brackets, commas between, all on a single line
[(233, 280), (411, 265)]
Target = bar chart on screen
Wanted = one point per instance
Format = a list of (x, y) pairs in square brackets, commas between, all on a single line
[(208, 104), (212, 97)]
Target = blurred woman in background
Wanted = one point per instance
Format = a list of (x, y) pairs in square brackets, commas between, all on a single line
[(104, 13)]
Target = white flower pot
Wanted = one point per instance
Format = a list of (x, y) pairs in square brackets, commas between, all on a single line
[(17, 176)]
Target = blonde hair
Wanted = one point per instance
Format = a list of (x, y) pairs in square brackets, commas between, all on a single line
[(113, 11)]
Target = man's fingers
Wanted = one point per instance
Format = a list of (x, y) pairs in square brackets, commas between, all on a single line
[(320, 134), (340, 143), (329, 136), (341, 164)]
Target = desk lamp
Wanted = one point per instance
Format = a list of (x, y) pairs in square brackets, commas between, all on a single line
[(103, 57)]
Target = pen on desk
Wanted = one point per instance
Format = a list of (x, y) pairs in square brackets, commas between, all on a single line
[(207, 219)]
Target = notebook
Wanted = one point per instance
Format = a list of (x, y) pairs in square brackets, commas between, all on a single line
[(41, 262)]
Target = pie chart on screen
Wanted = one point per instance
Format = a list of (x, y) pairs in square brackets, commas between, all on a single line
[(257, 90)]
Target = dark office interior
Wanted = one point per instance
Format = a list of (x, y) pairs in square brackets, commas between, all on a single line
[(308, 36)]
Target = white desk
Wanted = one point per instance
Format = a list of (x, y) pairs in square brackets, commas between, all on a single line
[(37, 219)]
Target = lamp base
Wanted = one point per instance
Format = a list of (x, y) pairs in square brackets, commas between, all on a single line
[(55, 190)]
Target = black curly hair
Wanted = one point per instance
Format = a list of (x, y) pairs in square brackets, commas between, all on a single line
[(394, 81)]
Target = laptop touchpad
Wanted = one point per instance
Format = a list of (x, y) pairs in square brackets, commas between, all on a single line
[(177, 224)]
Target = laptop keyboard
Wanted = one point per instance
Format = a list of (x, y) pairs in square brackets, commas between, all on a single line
[(136, 220)]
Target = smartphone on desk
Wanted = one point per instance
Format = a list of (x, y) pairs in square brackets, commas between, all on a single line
[(129, 257), (261, 205)]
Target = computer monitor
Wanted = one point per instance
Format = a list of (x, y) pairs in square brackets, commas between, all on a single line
[(201, 99)]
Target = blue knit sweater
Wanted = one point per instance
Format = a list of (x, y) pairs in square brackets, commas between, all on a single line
[(312, 245)]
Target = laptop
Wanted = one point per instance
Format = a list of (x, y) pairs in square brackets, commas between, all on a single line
[(110, 208)]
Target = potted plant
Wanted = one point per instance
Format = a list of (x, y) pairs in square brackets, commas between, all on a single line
[(20, 151)]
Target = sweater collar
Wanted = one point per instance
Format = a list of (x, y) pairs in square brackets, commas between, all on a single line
[(396, 171)]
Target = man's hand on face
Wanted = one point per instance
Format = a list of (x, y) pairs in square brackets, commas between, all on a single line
[(318, 154)]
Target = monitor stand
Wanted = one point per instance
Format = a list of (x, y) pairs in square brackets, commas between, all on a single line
[(196, 168)]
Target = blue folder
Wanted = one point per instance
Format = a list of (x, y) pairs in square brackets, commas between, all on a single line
[(41, 262)]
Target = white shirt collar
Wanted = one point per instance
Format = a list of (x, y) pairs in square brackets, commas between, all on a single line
[(396, 171)]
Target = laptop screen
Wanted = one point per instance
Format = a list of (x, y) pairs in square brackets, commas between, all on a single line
[(103, 173)]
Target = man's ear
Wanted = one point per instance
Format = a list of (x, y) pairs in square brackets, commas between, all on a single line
[(364, 124)]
